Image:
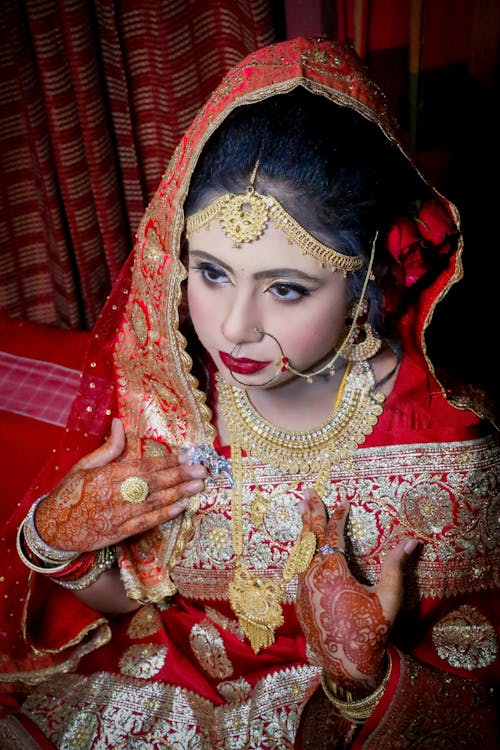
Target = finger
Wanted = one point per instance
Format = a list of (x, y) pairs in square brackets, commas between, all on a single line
[(158, 463), (166, 479), (161, 507), (159, 498), (334, 532), (313, 513), (179, 492), (390, 586), (108, 451), (154, 518)]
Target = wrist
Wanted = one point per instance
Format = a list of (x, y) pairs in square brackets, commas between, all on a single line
[(49, 555), (355, 710), (73, 570)]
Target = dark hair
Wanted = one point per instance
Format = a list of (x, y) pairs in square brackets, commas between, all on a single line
[(330, 167)]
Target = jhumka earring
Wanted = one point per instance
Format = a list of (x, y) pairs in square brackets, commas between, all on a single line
[(361, 342)]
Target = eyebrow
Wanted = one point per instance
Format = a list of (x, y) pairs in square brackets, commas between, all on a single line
[(267, 274)]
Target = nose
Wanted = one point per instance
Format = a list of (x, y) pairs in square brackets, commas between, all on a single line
[(241, 322)]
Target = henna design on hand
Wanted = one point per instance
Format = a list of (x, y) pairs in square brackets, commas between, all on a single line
[(86, 510), (343, 620)]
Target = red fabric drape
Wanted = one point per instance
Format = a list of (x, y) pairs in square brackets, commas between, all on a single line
[(94, 96)]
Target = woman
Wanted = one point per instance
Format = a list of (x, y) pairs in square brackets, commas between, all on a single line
[(288, 538)]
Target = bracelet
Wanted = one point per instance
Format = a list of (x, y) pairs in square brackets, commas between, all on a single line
[(35, 543), (38, 566), (105, 560), (355, 711), (99, 562), (76, 568)]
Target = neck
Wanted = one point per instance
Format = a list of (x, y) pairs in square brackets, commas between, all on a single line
[(296, 404)]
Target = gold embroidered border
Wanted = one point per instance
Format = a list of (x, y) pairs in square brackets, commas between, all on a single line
[(443, 494), (73, 711)]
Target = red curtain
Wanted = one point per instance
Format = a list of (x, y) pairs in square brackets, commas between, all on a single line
[(437, 61), (94, 96)]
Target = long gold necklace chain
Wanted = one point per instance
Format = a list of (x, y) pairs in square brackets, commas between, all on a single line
[(255, 600)]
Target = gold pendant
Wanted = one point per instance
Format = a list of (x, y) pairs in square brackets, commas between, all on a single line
[(260, 506), (257, 605)]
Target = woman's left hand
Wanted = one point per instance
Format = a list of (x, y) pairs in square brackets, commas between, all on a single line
[(345, 622)]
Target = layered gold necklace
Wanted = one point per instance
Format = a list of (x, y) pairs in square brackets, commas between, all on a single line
[(255, 600)]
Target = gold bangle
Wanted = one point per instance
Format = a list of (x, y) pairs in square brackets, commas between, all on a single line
[(43, 551), (356, 711), (105, 560), (45, 568)]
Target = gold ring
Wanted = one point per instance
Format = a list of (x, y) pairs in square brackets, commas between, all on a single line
[(134, 490)]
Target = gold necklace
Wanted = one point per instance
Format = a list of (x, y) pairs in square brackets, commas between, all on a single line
[(353, 418), (256, 601)]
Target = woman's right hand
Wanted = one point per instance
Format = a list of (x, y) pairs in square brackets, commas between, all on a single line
[(86, 511), (347, 623)]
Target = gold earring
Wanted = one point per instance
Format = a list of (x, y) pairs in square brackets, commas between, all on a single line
[(362, 342)]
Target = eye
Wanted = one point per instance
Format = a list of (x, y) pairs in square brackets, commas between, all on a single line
[(211, 273), (288, 292)]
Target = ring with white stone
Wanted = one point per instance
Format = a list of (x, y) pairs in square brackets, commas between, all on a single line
[(329, 549)]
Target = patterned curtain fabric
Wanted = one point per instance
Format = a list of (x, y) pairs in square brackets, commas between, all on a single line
[(94, 96)]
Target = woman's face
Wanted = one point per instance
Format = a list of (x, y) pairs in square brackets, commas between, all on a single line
[(265, 285)]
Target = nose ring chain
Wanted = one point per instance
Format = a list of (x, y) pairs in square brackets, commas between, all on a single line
[(280, 363)]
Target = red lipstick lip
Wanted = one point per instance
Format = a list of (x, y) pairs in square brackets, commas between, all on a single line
[(242, 366)]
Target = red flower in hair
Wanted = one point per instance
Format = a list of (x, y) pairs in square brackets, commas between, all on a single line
[(434, 224), (415, 242)]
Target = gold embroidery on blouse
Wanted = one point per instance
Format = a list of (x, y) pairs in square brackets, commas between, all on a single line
[(442, 494), (465, 638)]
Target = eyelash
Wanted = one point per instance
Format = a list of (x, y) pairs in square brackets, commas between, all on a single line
[(300, 290), (206, 268)]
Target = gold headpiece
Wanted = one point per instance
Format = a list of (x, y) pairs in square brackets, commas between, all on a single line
[(244, 218)]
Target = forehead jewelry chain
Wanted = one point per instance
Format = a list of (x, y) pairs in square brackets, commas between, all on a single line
[(244, 217)]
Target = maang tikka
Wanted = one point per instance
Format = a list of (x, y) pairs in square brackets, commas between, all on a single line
[(244, 218)]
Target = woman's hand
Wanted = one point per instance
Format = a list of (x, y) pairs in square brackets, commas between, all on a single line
[(86, 511), (346, 623)]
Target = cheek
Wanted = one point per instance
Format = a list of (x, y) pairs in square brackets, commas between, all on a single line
[(201, 311), (313, 337)]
